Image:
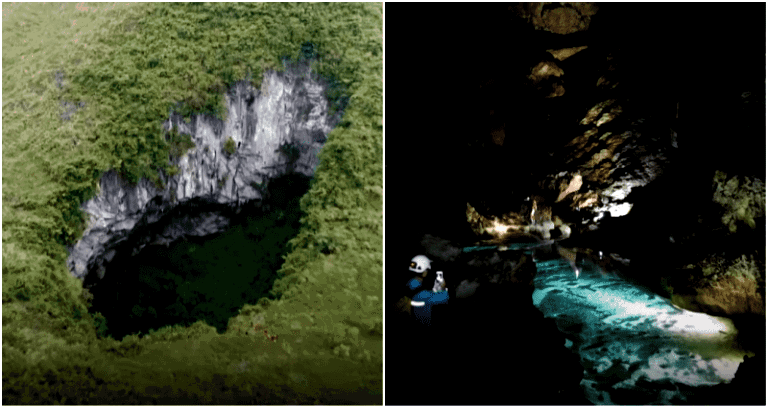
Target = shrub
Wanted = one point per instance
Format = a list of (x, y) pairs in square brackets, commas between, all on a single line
[(746, 268), (742, 199), (100, 323), (200, 329), (229, 146), (178, 144), (716, 267), (223, 181)]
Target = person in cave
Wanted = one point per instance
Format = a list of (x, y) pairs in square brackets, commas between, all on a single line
[(420, 302)]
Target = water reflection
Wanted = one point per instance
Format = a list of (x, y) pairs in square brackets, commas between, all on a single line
[(636, 347)]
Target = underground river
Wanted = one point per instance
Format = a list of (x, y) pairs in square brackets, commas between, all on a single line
[(635, 346)]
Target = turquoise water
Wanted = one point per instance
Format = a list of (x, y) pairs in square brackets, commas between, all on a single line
[(635, 346)]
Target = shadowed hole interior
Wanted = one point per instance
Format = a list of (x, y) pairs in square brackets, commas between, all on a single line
[(201, 278)]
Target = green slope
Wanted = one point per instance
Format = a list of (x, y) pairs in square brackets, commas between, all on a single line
[(121, 68)]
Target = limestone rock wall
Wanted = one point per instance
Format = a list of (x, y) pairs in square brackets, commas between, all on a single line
[(606, 127), (277, 130)]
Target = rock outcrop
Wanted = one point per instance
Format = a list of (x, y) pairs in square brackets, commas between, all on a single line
[(722, 288), (559, 18), (275, 131), (728, 296)]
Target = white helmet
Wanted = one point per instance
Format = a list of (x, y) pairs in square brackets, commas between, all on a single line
[(420, 263)]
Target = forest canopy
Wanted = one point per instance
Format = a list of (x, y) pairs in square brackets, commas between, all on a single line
[(86, 89)]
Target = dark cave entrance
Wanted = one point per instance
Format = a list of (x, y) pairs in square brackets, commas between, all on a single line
[(201, 278)]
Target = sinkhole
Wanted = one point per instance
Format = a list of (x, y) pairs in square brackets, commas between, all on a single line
[(199, 278)]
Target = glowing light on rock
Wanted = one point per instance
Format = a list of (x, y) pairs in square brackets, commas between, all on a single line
[(692, 324), (620, 210), (500, 229)]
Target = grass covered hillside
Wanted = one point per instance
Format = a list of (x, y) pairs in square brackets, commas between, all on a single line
[(86, 88)]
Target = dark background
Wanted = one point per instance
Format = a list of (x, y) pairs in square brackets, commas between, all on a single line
[(437, 55)]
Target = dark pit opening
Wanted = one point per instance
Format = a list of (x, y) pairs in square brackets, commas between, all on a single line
[(200, 278)]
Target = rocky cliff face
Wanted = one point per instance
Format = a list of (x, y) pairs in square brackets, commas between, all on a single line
[(275, 131)]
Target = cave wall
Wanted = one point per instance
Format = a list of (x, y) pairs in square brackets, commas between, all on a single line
[(276, 130), (623, 101), (636, 102)]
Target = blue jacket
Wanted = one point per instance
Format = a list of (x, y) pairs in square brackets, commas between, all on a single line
[(414, 285), (422, 303)]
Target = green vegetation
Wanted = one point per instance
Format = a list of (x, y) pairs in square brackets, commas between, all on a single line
[(132, 64), (229, 146), (222, 181), (742, 199), (178, 144), (715, 268)]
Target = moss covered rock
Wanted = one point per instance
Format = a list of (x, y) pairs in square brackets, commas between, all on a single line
[(726, 288), (742, 199)]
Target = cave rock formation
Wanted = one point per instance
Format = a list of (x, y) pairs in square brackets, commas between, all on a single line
[(277, 130)]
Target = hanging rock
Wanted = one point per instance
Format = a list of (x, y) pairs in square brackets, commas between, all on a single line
[(559, 18)]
